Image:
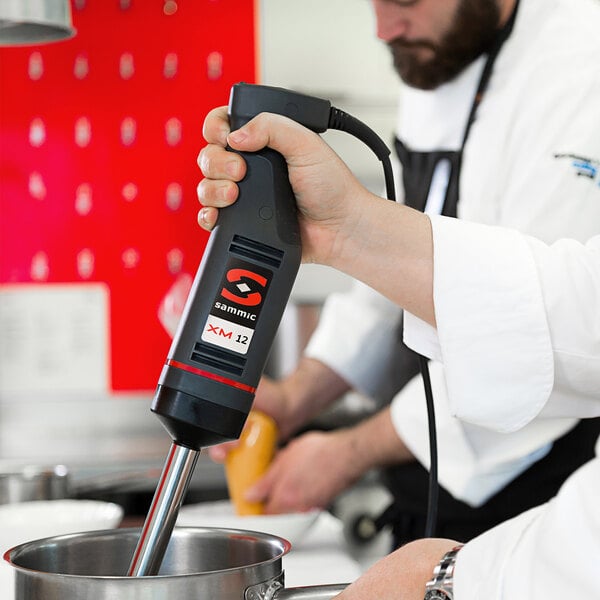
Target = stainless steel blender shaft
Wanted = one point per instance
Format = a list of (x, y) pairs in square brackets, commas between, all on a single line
[(173, 484)]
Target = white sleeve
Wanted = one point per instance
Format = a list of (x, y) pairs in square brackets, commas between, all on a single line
[(548, 553), (517, 324), (357, 336), (474, 463)]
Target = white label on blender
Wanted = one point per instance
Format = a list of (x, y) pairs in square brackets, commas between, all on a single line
[(227, 334)]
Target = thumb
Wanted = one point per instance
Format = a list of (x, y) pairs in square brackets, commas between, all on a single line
[(277, 132), (259, 491)]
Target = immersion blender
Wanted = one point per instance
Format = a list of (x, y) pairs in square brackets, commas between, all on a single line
[(234, 308)]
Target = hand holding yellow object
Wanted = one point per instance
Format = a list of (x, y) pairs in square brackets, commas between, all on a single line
[(249, 460)]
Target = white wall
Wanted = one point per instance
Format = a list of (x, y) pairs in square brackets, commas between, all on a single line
[(326, 46), (329, 48)]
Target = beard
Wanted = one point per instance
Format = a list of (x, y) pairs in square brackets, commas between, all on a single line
[(471, 34)]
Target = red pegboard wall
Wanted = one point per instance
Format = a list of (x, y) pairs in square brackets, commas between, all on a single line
[(98, 143)]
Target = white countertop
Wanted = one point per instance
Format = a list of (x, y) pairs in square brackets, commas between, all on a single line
[(321, 557)]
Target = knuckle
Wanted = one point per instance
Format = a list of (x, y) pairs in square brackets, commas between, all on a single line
[(205, 162), (202, 189)]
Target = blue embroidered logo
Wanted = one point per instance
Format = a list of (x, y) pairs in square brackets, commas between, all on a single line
[(584, 167)]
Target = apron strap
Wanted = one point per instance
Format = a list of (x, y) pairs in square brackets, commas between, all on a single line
[(486, 75)]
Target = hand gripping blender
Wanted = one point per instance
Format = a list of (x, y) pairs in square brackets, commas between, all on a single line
[(234, 308)]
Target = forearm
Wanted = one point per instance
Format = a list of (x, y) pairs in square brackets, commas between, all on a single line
[(311, 388), (390, 248), (375, 443)]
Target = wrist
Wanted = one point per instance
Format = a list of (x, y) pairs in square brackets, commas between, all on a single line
[(358, 458), (441, 584), (377, 442), (354, 238)]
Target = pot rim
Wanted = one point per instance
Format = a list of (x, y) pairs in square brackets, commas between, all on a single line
[(32, 471), (286, 546)]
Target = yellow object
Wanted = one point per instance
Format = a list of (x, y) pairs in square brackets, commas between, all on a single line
[(250, 459)]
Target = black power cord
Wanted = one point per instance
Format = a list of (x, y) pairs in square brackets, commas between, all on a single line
[(432, 499), (342, 121)]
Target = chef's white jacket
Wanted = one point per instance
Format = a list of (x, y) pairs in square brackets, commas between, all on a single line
[(531, 163), (548, 301)]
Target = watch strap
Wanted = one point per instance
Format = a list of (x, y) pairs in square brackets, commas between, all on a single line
[(440, 586)]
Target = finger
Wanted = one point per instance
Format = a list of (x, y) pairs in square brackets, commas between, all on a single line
[(207, 219), (277, 132), (217, 193), (217, 453), (217, 163), (222, 450), (256, 493), (260, 490), (283, 499), (216, 126)]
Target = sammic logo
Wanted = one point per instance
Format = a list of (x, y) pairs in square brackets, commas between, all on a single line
[(242, 292)]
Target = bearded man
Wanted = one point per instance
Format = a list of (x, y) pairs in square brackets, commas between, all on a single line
[(498, 123)]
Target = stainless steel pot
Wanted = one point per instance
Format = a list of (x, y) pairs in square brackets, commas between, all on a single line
[(34, 483), (200, 563), (56, 482)]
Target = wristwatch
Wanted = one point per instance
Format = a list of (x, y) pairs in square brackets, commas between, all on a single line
[(439, 587)]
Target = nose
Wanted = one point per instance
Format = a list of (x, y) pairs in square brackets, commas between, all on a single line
[(391, 20)]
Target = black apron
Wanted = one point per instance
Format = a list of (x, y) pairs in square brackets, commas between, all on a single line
[(409, 483)]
